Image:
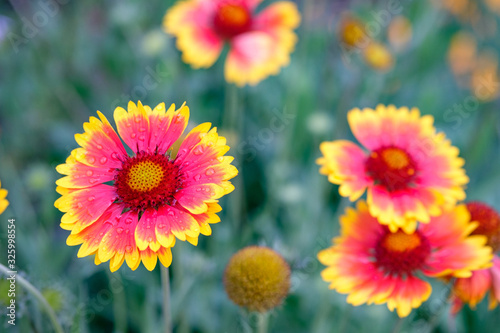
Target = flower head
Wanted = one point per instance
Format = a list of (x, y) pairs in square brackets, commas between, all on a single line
[(3, 201), (473, 289), (260, 43), (257, 278), (374, 265), (410, 171), (124, 207)]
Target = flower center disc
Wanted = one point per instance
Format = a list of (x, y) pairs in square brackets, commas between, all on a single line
[(400, 253), (147, 180), (145, 176), (232, 19), (489, 223), (392, 168)]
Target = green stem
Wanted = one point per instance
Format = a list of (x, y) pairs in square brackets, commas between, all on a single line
[(119, 302), (32, 290), (167, 316), (262, 322), (399, 325)]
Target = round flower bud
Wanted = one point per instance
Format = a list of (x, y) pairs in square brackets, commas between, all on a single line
[(257, 278)]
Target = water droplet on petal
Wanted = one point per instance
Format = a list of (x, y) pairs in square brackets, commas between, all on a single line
[(199, 189), (148, 227), (91, 160), (198, 150), (142, 129), (89, 173), (138, 119), (128, 124), (103, 160), (79, 205), (178, 118), (171, 213), (209, 172), (128, 248), (141, 137), (197, 177), (161, 226), (127, 231), (114, 156), (91, 198), (100, 234), (128, 220), (119, 230), (92, 181), (99, 147), (133, 135), (150, 239)]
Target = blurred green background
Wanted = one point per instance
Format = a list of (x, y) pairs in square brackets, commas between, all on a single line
[(58, 68)]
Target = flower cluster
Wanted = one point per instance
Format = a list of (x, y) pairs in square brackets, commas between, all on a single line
[(132, 207), (411, 223)]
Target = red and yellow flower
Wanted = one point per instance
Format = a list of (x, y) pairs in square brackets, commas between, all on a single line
[(374, 265), (3, 201), (411, 172), (472, 290), (131, 208), (259, 43)]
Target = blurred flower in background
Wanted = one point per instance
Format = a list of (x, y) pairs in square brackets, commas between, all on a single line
[(378, 56), (155, 195), (473, 289), (374, 265), (400, 33), (3, 201), (257, 278), (259, 43), (410, 171)]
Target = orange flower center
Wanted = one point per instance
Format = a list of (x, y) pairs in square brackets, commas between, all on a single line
[(392, 168), (400, 254), (489, 223), (232, 18), (147, 180)]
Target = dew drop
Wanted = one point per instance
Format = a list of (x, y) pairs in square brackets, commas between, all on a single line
[(92, 181), (150, 239), (114, 156), (100, 234), (210, 143), (133, 135), (197, 177), (103, 160), (79, 205), (127, 231), (128, 124), (141, 137), (138, 119), (76, 176), (119, 230), (148, 227), (199, 189), (207, 189), (128, 248), (99, 147), (89, 173), (91, 160), (128, 220), (142, 129), (171, 213), (91, 198), (177, 118), (161, 226), (209, 172), (198, 150)]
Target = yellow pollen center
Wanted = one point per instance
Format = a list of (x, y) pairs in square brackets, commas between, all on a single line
[(145, 176), (401, 242), (395, 158), (233, 15)]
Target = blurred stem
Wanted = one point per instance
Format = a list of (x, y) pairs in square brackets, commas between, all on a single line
[(233, 122), (119, 302), (32, 290), (399, 325), (262, 322), (167, 316), (433, 322)]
